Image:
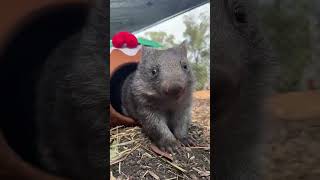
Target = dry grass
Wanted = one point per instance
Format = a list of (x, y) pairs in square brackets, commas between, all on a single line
[(132, 155)]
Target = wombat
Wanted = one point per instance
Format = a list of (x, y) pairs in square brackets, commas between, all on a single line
[(158, 94), (244, 69), (72, 98)]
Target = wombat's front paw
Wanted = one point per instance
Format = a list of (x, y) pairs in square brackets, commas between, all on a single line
[(187, 141), (168, 145)]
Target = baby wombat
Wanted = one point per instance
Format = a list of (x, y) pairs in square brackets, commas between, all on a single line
[(159, 96)]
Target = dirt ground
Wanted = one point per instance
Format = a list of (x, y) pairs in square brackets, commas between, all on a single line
[(294, 143), (292, 151), (132, 156)]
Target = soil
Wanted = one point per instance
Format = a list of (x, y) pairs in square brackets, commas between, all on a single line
[(132, 157), (294, 151), (293, 147)]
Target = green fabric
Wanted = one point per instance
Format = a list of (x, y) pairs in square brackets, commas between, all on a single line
[(149, 43), (145, 42)]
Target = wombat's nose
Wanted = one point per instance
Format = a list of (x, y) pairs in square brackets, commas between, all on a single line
[(174, 90)]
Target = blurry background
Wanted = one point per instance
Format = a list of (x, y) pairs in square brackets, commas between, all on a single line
[(193, 26), (169, 23), (133, 15), (293, 27)]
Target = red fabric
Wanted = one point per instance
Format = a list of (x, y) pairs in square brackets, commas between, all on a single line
[(118, 41), (122, 38), (131, 41)]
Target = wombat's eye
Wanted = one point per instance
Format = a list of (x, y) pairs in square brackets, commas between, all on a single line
[(185, 67), (154, 71), (240, 14)]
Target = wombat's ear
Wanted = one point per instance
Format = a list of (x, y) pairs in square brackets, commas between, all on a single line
[(183, 47), (146, 52)]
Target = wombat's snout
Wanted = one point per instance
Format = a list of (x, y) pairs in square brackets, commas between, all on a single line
[(173, 89)]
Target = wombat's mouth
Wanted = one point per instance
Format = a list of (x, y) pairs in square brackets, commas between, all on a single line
[(175, 91), (180, 95)]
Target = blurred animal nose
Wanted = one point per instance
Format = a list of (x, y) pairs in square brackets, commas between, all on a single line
[(174, 90)]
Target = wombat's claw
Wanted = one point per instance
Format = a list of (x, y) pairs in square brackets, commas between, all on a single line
[(182, 144), (170, 148), (188, 141), (167, 149), (178, 149)]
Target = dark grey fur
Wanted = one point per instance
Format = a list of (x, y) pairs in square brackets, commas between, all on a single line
[(72, 99), (244, 66), (164, 118)]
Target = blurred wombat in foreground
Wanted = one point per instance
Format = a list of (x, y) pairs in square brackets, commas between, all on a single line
[(159, 96), (245, 69), (72, 98)]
